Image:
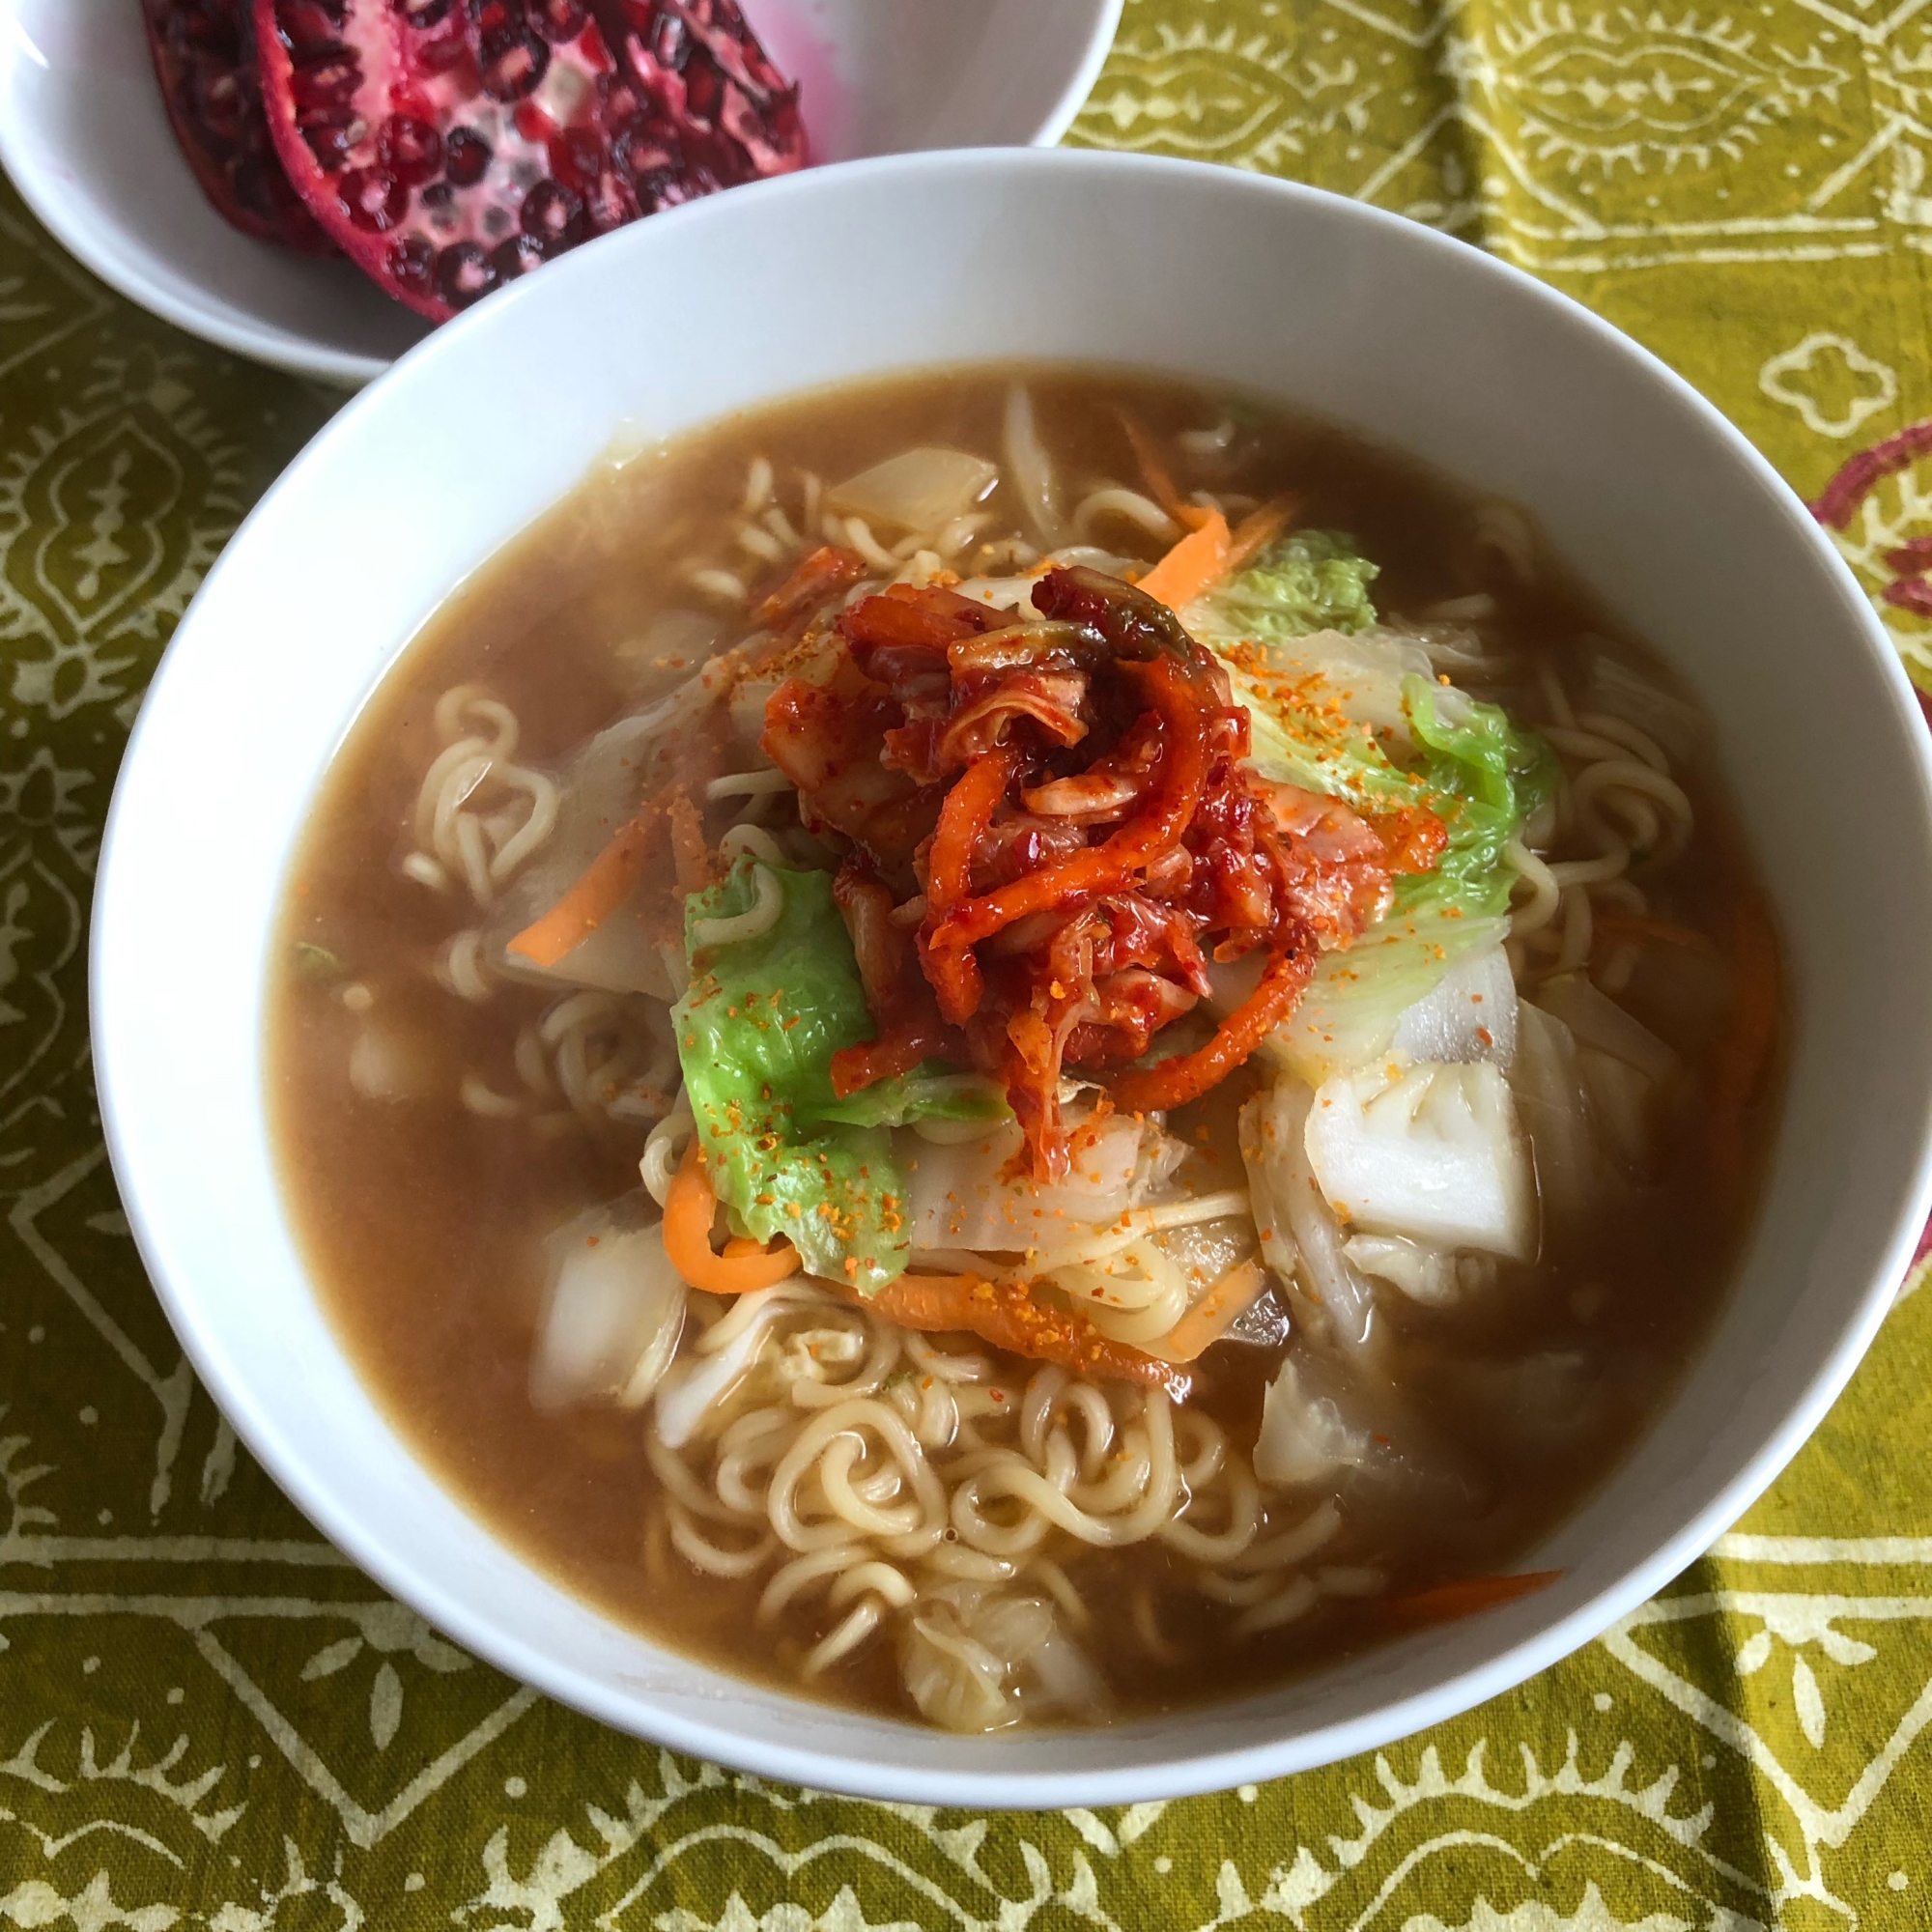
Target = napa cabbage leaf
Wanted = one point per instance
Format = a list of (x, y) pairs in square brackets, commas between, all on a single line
[(1357, 995), (1338, 706), (1486, 778), (1308, 581)]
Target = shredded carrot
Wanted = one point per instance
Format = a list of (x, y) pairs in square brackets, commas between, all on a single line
[(1206, 1322), (1200, 559), (1183, 1076), (610, 878), (1211, 552), (1447, 1602), (600, 889), (743, 1266), (1159, 483), (1257, 530), (928, 1302), (1004, 1314)]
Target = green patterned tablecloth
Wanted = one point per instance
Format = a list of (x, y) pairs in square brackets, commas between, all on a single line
[(208, 1720)]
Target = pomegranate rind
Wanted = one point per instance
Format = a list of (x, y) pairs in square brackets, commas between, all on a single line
[(240, 171), (448, 146)]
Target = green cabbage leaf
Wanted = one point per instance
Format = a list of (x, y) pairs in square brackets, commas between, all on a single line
[(757, 1030), (934, 1092)]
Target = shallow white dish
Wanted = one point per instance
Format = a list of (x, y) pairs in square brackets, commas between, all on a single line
[(86, 141), (1662, 508)]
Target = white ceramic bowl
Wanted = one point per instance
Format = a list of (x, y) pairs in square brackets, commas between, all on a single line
[(86, 140), (1422, 342)]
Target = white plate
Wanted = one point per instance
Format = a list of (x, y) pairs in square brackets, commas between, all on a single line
[(86, 140), (1662, 510)]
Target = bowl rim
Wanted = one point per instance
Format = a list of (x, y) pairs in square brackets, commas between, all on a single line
[(212, 319), (1164, 1778)]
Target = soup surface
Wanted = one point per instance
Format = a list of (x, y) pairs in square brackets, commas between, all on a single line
[(1250, 1229)]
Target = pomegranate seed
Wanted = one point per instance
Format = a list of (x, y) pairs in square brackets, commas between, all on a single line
[(373, 199), (206, 31), (305, 27), (660, 188), (411, 262), (466, 153), (411, 150), (463, 275), (641, 149), (329, 80), (511, 62), (553, 216), (670, 46), (558, 20), (517, 256), (704, 87), (609, 203), (422, 14), (222, 103), (439, 54), (532, 124), (264, 191), (330, 137), (585, 153)]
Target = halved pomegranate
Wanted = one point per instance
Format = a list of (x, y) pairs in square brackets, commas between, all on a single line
[(204, 56), (451, 145)]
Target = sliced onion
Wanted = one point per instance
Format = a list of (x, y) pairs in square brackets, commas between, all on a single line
[(917, 490)]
